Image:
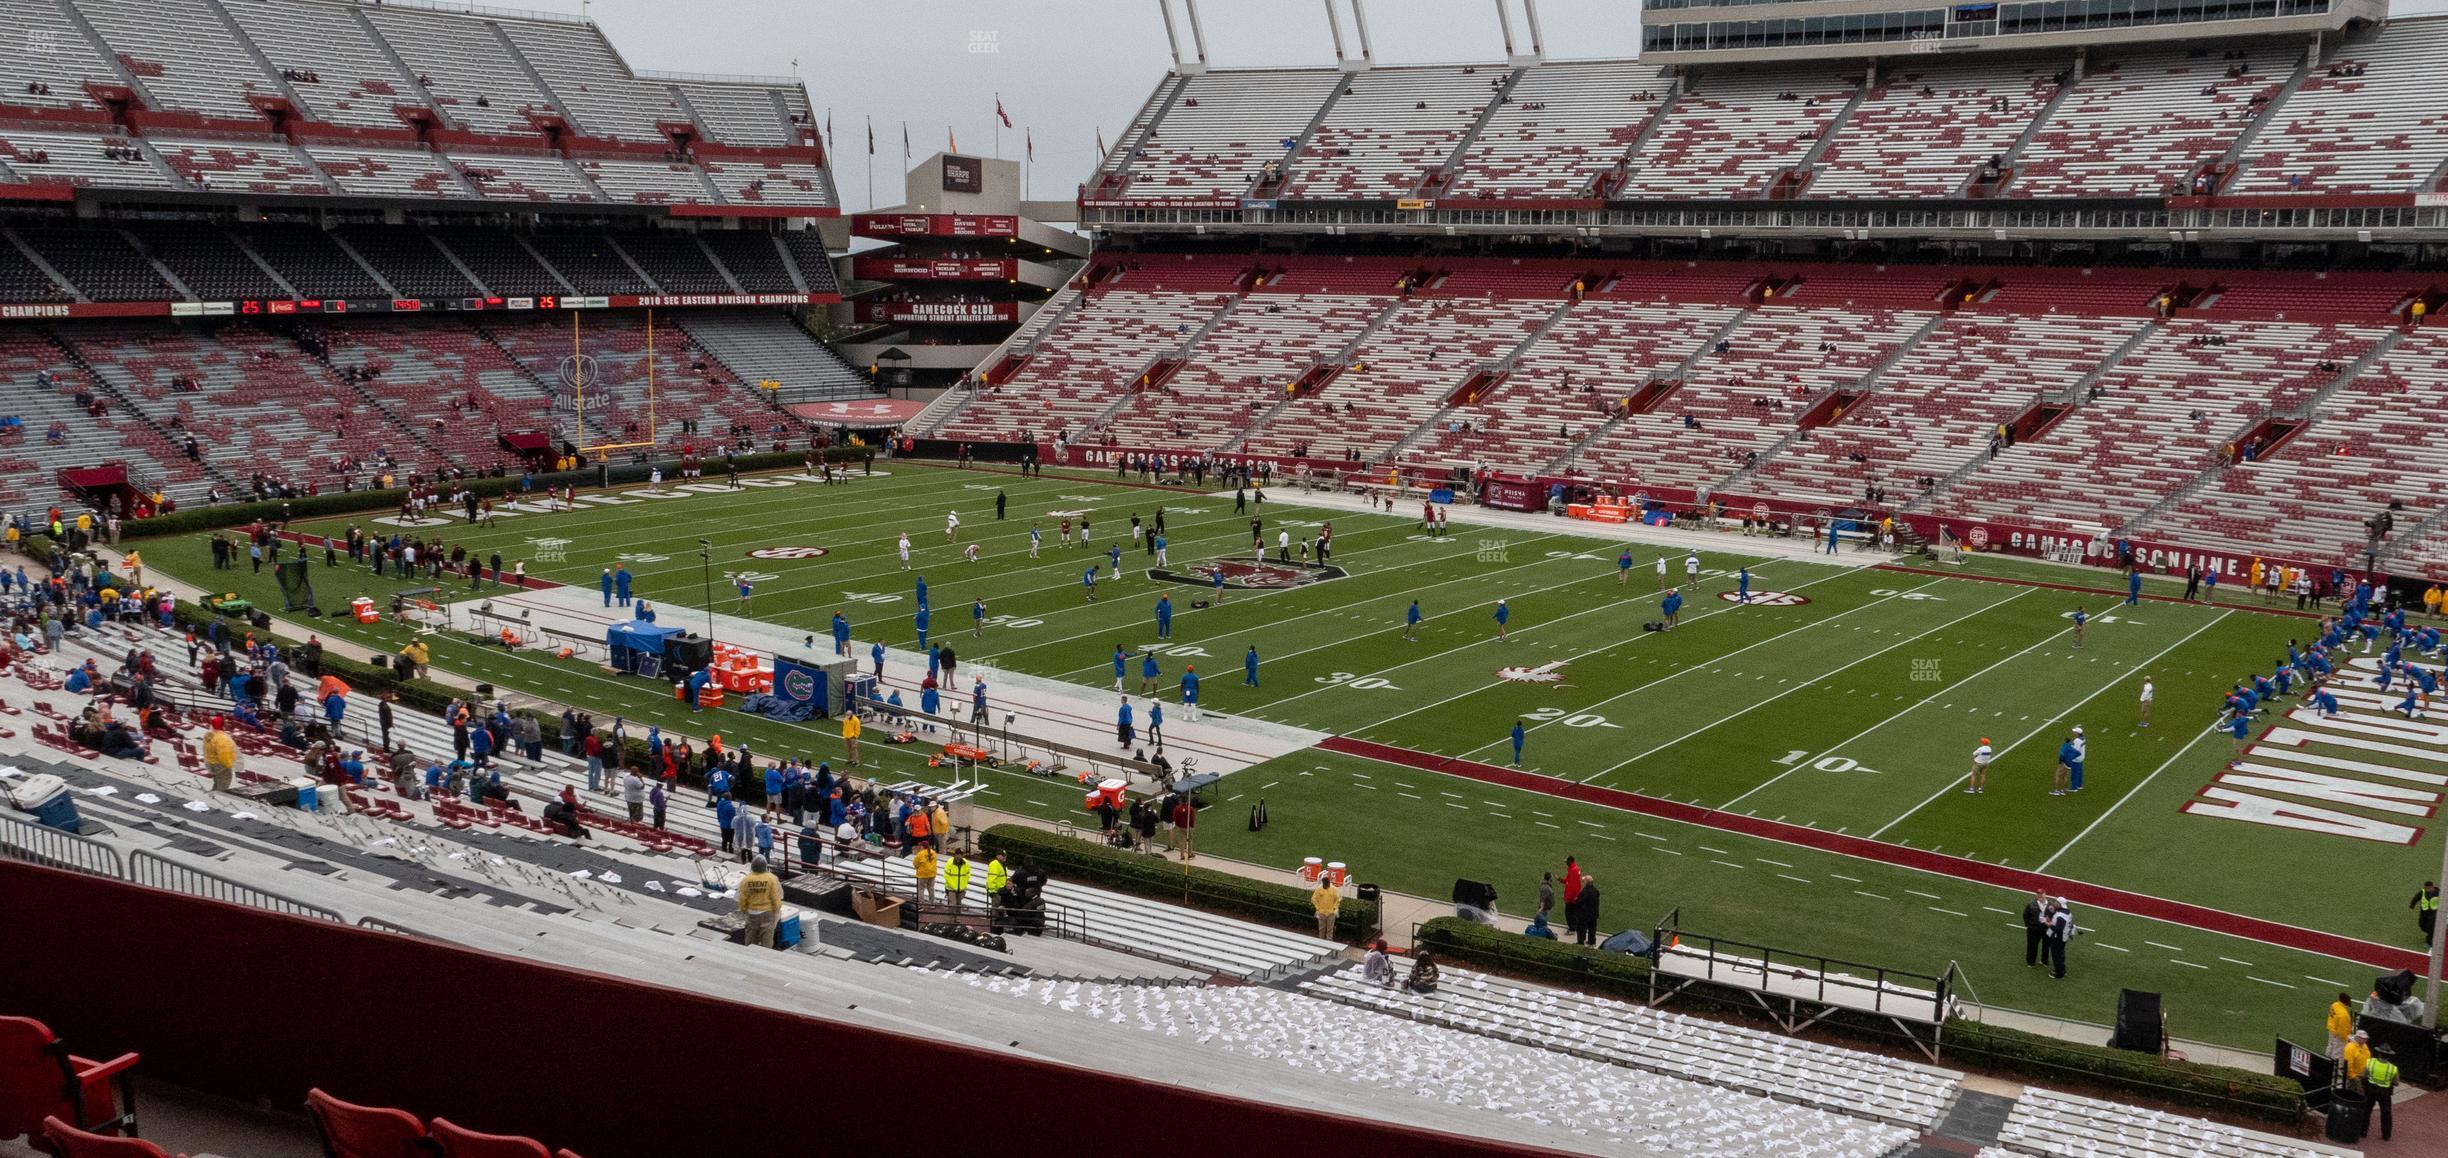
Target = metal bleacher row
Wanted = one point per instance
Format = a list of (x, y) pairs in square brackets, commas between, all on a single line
[(2125, 121), (1807, 384), (354, 80)]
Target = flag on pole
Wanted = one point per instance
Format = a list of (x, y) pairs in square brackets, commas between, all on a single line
[(1100, 141), (1029, 137), (871, 136), (828, 130), (951, 143), (905, 145), (999, 113)]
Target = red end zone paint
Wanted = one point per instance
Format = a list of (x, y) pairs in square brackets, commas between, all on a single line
[(1960, 868)]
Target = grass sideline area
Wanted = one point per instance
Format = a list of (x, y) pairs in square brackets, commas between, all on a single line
[(1850, 703)]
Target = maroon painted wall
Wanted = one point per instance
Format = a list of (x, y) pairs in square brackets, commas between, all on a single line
[(247, 1003)]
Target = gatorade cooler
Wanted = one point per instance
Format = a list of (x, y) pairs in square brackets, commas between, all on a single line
[(1311, 867), (363, 608), (1109, 791), (1338, 874), (47, 797)]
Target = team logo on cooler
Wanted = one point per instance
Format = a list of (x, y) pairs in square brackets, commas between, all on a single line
[(787, 553), (800, 684), (1767, 598), (1546, 673)]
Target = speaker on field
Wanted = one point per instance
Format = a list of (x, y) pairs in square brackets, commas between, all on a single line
[(2140, 1026)]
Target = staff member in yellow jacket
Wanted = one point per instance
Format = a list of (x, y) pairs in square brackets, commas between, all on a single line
[(850, 735), (998, 878), (2341, 1025), (760, 900), (1327, 900), (956, 873), (922, 866), (220, 757)]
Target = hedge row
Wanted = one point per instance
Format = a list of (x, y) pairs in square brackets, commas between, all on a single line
[(1994, 1048), (1071, 858), (188, 520)]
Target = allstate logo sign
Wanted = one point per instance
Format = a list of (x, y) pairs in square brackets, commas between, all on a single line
[(799, 685), (787, 553)]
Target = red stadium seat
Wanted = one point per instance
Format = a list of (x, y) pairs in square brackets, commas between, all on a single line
[(461, 1142), (353, 1131), (40, 1079), (67, 1141)]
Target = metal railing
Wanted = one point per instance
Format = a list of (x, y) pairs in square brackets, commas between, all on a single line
[(382, 926), (152, 871), (39, 844)]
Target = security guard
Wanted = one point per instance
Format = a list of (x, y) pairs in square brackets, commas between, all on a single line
[(2380, 1078), (956, 879), (2426, 910), (998, 878), (2341, 1025)]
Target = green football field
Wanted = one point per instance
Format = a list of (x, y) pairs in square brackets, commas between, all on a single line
[(1845, 699)]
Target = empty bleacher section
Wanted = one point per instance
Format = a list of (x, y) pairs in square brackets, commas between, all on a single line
[(740, 114), (460, 390), (1733, 135), (331, 63), (1095, 357), (49, 158), (1424, 351), (675, 261), (756, 347), (584, 258), (1924, 132), (770, 181), (645, 182), (407, 260), (466, 67), (592, 84), (499, 261), (231, 166), (2046, 1122), (2362, 122), (309, 259), (1563, 126), (752, 259), (1389, 129), (2160, 418), (245, 395), (815, 265), (208, 261), (523, 177), (1245, 364), (1222, 128), (100, 261), (23, 281), (2142, 125), (184, 56), (387, 172)]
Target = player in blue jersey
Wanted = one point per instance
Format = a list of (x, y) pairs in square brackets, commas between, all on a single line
[(1411, 622), (1504, 615)]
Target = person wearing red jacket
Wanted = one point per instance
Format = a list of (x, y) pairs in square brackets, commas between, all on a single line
[(1572, 880)]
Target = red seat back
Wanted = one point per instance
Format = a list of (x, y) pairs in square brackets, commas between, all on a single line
[(69, 1142), (39, 1079), (461, 1142), (353, 1131)]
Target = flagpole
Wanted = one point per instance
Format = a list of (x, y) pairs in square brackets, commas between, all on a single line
[(998, 127), (871, 162)]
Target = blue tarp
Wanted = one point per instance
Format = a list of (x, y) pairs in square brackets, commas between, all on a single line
[(634, 639), (777, 708)]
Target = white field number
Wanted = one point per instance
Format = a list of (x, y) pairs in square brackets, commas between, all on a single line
[(1352, 680), (1571, 720), (1826, 763)]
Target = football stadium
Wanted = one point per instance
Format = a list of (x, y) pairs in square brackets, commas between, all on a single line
[(1729, 577)]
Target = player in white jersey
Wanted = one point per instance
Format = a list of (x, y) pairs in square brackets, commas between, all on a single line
[(904, 549), (2146, 702), (1691, 569), (952, 526)]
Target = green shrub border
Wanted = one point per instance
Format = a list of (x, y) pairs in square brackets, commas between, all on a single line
[(1996, 1049), (1088, 862)]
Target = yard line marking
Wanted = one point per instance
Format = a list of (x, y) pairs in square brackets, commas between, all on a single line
[(1544, 824), (1501, 815), (1791, 877), (2158, 945), (1948, 912), (1667, 851), (1370, 787), (1455, 795), (1718, 851), (1860, 893), (2118, 948), (1592, 823), (2325, 981), (1646, 835), (2136, 790), (2233, 961), (1842, 877), (1602, 836), (1925, 896), (1536, 812), (1765, 860), (1272, 783), (2188, 964), (1412, 795), (1727, 863), (1761, 703), (1995, 909), (2267, 981), (1451, 804), (2052, 721)]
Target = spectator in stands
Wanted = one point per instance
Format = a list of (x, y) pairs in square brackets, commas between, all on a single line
[(1424, 973), (1378, 967), (760, 901), (220, 756), (633, 794), (1581, 913)]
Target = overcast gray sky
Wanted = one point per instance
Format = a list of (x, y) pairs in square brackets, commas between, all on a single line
[(1065, 68)]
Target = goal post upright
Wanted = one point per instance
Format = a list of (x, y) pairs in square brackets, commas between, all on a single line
[(579, 369)]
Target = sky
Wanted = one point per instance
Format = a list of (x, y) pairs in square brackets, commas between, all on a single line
[(1065, 69)]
